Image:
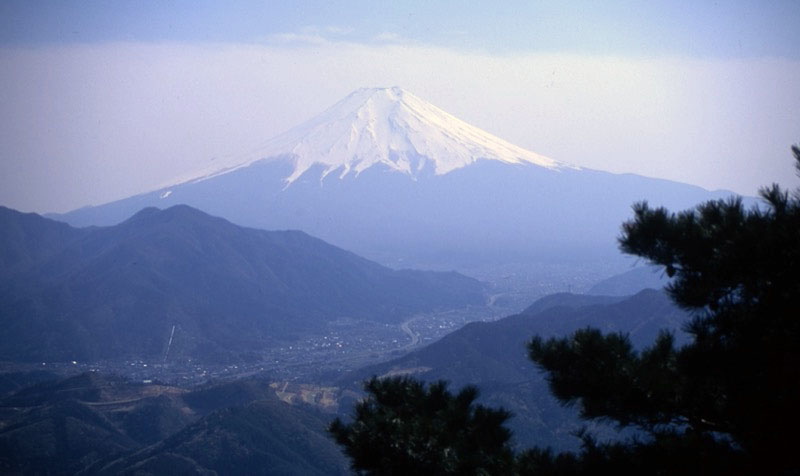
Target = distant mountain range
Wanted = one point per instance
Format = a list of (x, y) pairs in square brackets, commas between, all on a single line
[(184, 282), (631, 282), (493, 356), (396, 179)]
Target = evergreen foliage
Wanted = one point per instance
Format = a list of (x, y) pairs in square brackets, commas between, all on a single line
[(728, 402), (407, 427), (736, 386)]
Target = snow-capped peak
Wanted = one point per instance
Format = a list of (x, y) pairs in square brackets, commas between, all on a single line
[(393, 127)]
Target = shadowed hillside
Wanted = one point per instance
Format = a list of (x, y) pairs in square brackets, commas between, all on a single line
[(492, 356), (199, 285), (109, 425)]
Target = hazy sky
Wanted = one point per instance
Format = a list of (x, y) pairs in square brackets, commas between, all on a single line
[(100, 100)]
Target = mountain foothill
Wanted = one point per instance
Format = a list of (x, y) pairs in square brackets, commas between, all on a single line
[(200, 284)]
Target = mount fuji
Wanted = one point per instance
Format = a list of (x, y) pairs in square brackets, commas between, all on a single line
[(398, 180), (393, 128)]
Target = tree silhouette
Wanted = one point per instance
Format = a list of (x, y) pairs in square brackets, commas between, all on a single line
[(726, 403), (737, 384), (405, 427)]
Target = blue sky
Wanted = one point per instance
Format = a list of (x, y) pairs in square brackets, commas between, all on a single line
[(695, 28), (101, 100)]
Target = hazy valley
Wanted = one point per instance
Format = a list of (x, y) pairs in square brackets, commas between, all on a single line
[(224, 321)]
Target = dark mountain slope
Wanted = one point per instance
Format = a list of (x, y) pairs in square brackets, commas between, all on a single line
[(60, 438), (631, 282), (117, 292), (26, 238), (493, 356), (61, 426), (14, 381), (264, 437), (93, 423)]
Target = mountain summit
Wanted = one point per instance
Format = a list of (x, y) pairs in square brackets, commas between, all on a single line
[(400, 181), (124, 292), (391, 127)]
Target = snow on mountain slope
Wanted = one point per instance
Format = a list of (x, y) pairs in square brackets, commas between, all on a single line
[(416, 202), (388, 126)]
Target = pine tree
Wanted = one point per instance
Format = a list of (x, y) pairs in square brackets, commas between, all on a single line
[(737, 384), (405, 427), (726, 403)]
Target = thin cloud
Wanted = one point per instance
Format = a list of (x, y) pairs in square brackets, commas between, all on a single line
[(299, 38), (338, 30), (312, 35), (390, 37)]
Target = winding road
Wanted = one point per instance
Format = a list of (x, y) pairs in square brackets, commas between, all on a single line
[(414, 336)]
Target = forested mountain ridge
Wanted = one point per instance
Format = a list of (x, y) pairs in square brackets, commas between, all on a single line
[(197, 284), (493, 357)]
